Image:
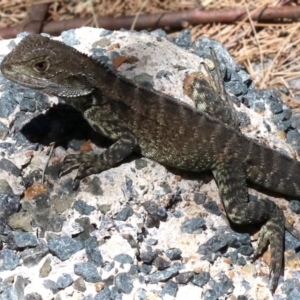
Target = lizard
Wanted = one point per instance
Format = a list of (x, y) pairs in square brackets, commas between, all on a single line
[(138, 118)]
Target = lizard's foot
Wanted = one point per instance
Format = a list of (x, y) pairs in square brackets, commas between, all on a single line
[(87, 164), (273, 233)]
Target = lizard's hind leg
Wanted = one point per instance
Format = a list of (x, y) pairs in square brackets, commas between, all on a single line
[(231, 179)]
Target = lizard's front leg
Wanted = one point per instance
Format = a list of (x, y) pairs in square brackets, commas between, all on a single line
[(231, 179), (89, 164)]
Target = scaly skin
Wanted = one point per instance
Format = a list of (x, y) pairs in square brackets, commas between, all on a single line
[(159, 127)]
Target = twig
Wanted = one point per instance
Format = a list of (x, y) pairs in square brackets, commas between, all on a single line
[(52, 145), (274, 61), (170, 20), (256, 39)]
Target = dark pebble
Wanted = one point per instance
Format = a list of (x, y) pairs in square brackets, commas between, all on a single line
[(184, 39), (115, 295), (236, 240), (163, 74), (104, 294), (184, 277), (178, 214), (170, 288), (8, 166), (154, 210), (275, 107), (124, 214), (9, 204), (192, 225), (212, 207), (213, 245), (144, 79), (133, 271), (199, 198), (210, 295), (233, 255), (79, 285), (148, 257), (246, 250), (55, 223), (124, 259), (83, 208), (87, 271), (140, 163), (108, 266), (33, 296), (295, 206), (146, 269), (164, 275), (173, 253), (201, 279), (123, 283), (32, 256), (51, 285), (64, 280), (161, 263), (64, 247), (25, 239), (27, 105), (241, 261), (159, 33), (222, 285), (151, 242), (94, 256), (8, 102), (9, 260)]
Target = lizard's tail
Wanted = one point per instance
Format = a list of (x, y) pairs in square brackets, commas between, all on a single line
[(273, 170)]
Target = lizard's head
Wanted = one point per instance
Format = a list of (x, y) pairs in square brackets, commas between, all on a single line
[(50, 66)]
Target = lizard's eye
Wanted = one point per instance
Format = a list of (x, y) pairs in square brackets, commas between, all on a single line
[(41, 66)]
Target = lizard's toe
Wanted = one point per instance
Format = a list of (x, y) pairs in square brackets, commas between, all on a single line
[(71, 162)]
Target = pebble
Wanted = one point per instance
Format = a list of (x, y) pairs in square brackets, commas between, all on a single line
[(105, 294), (192, 225), (212, 207), (213, 245), (32, 256), (185, 277), (64, 280), (124, 214), (148, 257), (64, 247), (295, 206), (123, 283), (25, 239), (170, 288), (87, 271), (9, 260), (201, 279), (83, 208), (8, 166), (124, 259), (173, 253), (164, 275)]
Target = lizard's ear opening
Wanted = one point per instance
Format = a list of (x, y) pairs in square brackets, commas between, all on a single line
[(41, 66)]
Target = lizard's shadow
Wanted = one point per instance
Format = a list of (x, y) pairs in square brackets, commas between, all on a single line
[(61, 124)]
